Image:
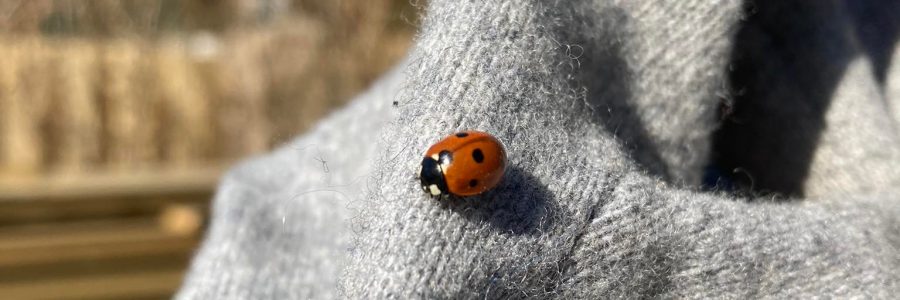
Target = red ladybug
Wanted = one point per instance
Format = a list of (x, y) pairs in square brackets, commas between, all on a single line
[(465, 163)]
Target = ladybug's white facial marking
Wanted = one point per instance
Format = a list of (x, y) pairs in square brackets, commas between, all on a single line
[(434, 190)]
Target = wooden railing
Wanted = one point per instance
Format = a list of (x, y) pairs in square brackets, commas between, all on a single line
[(102, 235)]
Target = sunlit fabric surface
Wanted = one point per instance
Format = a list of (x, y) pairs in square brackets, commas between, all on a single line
[(677, 149)]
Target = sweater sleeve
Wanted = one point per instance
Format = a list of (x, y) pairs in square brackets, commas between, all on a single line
[(608, 111), (612, 114)]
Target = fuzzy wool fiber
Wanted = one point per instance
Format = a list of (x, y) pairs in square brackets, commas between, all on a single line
[(672, 149)]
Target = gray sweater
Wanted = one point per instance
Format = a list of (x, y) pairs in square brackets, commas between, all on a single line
[(674, 149)]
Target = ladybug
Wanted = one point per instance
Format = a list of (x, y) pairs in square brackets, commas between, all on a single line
[(465, 163)]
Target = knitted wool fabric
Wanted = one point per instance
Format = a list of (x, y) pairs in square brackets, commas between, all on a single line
[(610, 113)]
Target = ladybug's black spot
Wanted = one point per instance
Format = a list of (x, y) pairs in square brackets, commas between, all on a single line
[(462, 134), (477, 155), (473, 183), (445, 157)]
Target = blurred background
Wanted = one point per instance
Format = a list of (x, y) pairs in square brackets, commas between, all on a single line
[(118, 117)]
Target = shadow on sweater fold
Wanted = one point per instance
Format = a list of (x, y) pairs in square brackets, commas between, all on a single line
[(520, 204), (784, 70)]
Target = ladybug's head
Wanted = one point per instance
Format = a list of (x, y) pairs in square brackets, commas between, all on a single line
[(432, 177)]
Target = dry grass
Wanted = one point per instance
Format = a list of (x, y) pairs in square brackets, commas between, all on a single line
[(128, 85)]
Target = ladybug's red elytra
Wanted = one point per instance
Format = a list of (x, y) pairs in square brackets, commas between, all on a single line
[(465, 163)]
